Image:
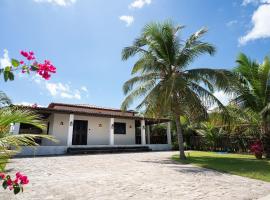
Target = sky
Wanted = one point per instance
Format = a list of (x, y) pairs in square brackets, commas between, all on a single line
[(84, 40)]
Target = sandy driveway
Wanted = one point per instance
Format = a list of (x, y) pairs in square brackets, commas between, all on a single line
[(128, 176)]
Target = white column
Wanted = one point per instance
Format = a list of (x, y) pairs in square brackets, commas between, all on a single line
[(15, 128), (148, 134), (70, 129), (169, 137), (112, 131), (143, 132)]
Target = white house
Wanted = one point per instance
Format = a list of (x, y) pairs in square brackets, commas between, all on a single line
[(84, 127)]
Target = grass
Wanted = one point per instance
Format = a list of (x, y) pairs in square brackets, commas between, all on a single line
[(238, 164)]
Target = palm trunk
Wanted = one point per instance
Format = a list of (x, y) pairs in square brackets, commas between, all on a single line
[(182, 155)]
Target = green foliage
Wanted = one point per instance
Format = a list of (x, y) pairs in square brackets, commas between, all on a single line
[(11, 144), (238, 164), (15, 63), (253, 91), (161, 77)]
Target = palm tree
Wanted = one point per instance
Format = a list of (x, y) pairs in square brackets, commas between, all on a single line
[(253, 91), (162, 80), (11, 144)]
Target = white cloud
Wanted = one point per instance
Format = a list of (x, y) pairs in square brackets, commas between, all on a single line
[(222, 97), (127, 19), (5, 60), (139, 3), (84, 88), (231, 23), (57, 2), (261, 25), (62, 90), (254, 2)]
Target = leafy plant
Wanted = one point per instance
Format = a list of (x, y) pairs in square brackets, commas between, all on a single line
[(253, 91), (11, 144), (162, 80), (16, 185)]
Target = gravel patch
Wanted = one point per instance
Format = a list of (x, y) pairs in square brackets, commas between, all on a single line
[(136, 176)]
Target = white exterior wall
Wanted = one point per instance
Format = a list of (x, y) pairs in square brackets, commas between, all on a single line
[(129, 137), (96, 135), (60, 132)]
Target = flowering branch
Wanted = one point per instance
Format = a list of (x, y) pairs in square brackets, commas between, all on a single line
[(44, 69), (16, 185)]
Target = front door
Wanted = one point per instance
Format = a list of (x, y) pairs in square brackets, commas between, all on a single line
[(79, 132)]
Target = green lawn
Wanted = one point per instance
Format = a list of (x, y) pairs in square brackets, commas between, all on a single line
[(238, 164)]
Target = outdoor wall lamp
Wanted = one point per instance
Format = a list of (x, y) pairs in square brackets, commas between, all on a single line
[(70, 123), (112, 126), (99, 125), (61, 123)]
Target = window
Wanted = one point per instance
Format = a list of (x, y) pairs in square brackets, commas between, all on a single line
[(119, 128)]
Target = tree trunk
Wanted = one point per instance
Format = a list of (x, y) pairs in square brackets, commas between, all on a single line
[(182, 155)]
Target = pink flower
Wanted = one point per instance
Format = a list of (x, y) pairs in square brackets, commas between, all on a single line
[(31, 53), (24, 54), (16, 181), (21, 62), (10, 187), (24, 180), (18, 175), (45, 69), (9, 182), (2, 175)]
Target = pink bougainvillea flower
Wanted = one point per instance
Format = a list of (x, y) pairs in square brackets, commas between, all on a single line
[(10, 187), (2, 175), (24, 180), (44, 69), (18, 175), (9, 182), (24, 54), (21, 62), (31, 53)]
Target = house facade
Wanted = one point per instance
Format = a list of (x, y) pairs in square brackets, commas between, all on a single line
[(78, 125)]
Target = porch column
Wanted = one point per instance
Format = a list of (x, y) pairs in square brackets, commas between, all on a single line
[(169, 137), (148, 134), (70, 129), (111, 131), (15, 128), (143, 132)]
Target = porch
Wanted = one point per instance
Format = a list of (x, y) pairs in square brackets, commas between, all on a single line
[(96, 131)]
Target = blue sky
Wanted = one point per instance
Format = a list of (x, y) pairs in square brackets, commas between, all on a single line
[(84, 39)]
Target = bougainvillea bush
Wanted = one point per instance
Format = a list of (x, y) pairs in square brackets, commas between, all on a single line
[(28, 64), (257, 149), (15, 184)]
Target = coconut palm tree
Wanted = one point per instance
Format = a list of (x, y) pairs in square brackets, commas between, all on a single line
[(253, 91), (11, 144), (161, 78)]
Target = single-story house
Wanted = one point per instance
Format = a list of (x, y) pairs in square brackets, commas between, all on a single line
[(86, 126)]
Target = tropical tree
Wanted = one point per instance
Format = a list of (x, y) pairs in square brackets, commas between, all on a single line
[(253, 91), (161, 78), (11, 144)]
